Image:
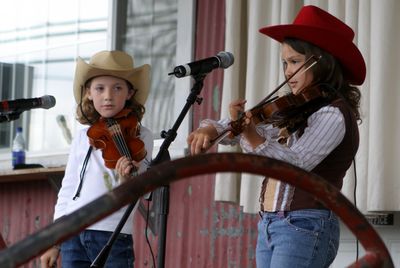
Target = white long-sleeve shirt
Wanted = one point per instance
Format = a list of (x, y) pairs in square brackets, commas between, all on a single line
[(325, 130), (97, 181)]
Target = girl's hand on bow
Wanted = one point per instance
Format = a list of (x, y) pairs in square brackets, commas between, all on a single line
[(199, 140)]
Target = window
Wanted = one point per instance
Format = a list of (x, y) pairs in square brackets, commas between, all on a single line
[(160, 33), (39, 43), (12, 76), (46, 43)]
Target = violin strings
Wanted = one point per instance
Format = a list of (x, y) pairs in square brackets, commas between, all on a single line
[(114, 134), (122, 142), (118, 138), (115, 130)]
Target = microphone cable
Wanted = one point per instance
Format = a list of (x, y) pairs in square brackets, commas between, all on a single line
[(146, 233), (355, 202)]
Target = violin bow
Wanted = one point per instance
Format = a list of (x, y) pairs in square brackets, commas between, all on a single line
[(267, 99)]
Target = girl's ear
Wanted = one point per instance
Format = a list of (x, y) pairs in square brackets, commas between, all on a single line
[(131, 93), (88, 94)]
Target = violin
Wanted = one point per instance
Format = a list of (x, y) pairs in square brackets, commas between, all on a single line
[(281, 111), (117, 137), (288, 111)]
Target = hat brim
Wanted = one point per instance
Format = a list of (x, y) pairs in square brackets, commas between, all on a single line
[(139, 77), (346, 52)]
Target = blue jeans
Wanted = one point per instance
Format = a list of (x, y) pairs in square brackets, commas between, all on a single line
[(301, 238), (81, 250)]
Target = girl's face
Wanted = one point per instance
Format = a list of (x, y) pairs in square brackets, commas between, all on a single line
[(292, 60), (109, 95)]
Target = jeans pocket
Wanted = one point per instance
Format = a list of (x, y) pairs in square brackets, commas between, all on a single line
[(308, 225)]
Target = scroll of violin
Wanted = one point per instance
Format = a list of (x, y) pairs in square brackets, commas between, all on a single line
[(117, 137)]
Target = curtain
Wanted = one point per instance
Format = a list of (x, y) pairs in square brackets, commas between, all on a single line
[(258, 70)]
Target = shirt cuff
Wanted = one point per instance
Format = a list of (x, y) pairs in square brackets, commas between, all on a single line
[(218, 125)]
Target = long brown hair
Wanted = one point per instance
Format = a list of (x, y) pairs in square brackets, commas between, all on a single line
[(329, 72), (87, 114)]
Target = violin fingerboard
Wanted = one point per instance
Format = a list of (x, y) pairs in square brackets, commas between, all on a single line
[(118, 137)]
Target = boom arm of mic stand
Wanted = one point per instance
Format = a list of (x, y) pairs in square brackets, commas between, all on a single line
[(162, 156)]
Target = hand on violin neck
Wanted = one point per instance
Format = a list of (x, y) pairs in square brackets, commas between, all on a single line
[(249, 131), (243, 123), (236, 109)]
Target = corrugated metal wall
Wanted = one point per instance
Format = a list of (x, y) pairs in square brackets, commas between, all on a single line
[(209, 40), (200, 231), (25, 207)]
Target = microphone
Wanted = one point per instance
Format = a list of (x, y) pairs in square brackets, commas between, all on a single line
[(221, 60), (20, 105)]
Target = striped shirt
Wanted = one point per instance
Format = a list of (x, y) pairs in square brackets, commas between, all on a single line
[(324, 132)]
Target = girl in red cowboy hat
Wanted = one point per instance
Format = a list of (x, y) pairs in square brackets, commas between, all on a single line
[(106, 87), (295, 230)]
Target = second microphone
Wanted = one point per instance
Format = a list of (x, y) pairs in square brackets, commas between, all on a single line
[(221, 60)]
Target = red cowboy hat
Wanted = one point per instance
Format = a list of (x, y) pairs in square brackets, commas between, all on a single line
[(320, 28)]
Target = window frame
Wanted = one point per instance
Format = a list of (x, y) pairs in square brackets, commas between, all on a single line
[(184, 53)]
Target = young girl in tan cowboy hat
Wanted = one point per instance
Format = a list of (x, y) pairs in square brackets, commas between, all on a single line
[(104, 88), (295, 230)]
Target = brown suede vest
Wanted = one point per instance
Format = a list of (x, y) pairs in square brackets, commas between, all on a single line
[(333, 168)]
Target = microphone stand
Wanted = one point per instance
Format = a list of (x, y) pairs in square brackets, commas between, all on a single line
[(162, 156)]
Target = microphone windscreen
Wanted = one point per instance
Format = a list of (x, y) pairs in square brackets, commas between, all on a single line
[(226, 58), (48, 101)]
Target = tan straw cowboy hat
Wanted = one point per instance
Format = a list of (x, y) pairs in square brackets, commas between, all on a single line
[(114, 63), (320, 28)]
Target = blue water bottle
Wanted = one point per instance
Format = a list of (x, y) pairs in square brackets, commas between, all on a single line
[(18, 148)]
